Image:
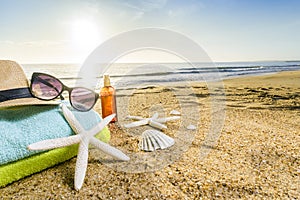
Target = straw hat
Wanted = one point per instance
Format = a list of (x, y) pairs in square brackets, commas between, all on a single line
[(14, 87)]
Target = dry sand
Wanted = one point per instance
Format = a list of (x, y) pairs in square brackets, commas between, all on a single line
[(255, 157)]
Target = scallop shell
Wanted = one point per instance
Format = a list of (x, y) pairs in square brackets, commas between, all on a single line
[(152, 140)]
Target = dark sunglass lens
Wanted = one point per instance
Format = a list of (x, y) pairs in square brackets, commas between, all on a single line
[(82, 99), (45, 87)]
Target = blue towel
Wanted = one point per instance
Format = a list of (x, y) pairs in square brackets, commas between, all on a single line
[(24, 125)]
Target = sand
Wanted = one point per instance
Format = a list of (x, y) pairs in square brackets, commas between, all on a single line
[(256, 156)]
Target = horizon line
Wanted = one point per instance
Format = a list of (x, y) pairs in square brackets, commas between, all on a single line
[(78, 63)]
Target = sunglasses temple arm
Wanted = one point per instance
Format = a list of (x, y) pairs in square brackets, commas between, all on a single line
[(61, 97)]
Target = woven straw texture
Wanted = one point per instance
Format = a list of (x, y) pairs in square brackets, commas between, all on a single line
[(12, 76)]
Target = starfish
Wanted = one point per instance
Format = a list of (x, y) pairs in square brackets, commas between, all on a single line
[(83, 137), (153, 121)]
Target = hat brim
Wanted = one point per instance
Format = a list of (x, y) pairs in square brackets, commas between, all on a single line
[(26, 102)]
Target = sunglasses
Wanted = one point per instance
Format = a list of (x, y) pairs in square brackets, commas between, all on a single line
[(47, 87)]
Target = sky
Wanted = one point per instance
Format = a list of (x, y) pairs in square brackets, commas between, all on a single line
[(67, 31)]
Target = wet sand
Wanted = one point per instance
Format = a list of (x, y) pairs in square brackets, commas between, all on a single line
[(256, 156)]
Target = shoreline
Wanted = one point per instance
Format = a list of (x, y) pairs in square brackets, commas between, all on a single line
[(256, 155), (179, 83)]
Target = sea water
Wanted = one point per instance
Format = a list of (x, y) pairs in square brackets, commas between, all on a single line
[(130, 74)]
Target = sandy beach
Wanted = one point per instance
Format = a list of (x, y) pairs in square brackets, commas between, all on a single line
[(256, 155)]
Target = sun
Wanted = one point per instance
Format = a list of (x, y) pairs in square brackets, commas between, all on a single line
[(85, 34)]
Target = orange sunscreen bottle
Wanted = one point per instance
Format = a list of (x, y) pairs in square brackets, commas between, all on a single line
[(108, 99)]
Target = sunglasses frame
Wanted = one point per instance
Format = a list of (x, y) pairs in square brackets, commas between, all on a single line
[(64, 88)]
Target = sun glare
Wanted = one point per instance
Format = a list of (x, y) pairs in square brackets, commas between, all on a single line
[(85, 34)]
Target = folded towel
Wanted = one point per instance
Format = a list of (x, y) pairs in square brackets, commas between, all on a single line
[(19, 169), (21, 126)]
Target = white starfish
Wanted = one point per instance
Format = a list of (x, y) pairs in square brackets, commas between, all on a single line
[(83, 137), (153, 121)]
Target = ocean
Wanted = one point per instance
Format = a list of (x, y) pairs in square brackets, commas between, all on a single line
[(131, 74)]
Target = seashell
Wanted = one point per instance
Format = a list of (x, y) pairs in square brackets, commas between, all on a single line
[(152, 140), (175, 112), (191, 127)]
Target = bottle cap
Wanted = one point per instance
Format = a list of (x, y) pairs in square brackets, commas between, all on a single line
[(106, 80)]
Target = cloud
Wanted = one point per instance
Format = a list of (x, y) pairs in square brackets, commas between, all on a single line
[(7, 42), (185, 9), (42, 43), (38, 43), (138, 15), (146, 5), (138, 9)]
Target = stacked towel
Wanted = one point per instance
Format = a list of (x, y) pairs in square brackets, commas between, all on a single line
[(21, 126)]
